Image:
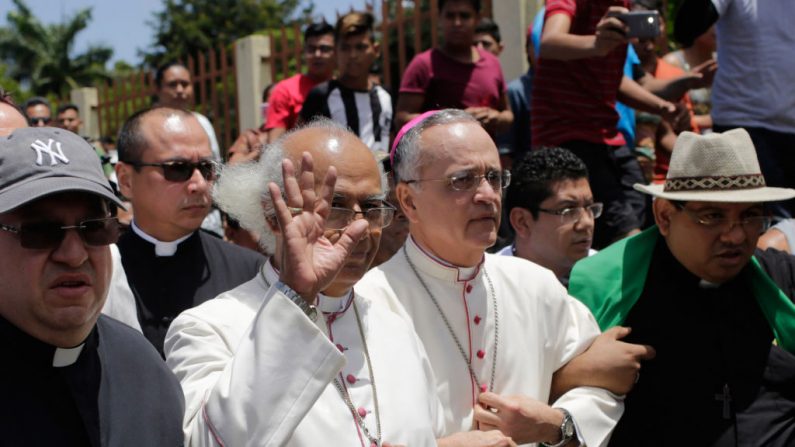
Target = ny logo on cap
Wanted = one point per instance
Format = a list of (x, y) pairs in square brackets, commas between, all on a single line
[(55, 154)]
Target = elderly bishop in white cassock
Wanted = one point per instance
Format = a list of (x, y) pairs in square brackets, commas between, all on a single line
[(255, 365)]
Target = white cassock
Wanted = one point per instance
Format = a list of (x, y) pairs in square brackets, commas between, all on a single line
[(256, 370), (540, 328)]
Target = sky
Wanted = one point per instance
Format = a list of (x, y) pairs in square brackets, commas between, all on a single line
[(121, 24)]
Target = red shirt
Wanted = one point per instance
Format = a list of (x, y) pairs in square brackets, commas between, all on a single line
[(286, 101), (575, 100), (448, 83)]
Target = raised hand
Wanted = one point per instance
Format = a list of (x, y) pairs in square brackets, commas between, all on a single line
[(309, 261)]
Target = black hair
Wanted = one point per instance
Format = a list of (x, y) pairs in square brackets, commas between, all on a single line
[(354, 24), (490, 27), (161, 71), (533, 176), (68, 106), (131, 141), (475, 4), (317, 29), (35, 101)]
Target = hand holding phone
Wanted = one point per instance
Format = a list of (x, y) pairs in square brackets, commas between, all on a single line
[(641, 24)]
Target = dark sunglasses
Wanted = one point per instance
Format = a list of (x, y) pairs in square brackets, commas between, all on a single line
[(36, 120), (49, 235), (180, 171)]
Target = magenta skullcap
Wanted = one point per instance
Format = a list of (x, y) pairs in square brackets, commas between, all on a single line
[(407, 127)]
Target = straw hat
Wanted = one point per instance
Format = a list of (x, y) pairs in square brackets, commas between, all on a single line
[(719, 167)]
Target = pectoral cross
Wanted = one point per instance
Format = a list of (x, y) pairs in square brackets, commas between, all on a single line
[(726, 398)]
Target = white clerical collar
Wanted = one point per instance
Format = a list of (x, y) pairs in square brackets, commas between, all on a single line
[(328, 304), (161, 248), (435, 266), (66, 356)]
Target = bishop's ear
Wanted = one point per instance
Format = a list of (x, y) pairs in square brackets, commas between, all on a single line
[(406, 196)]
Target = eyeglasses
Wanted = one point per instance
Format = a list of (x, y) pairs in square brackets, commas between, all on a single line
[(377, 217), (574, 214), (324, 49), (180, 171), (468, 181), (50, 235), (36, 120), (714, 220)]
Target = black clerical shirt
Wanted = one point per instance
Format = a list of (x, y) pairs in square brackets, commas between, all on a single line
[(202, 268), (717, 379), (44, 404)]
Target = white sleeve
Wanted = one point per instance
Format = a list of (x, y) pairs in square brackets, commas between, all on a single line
[(258, 392), (120, 303), (595, 411)]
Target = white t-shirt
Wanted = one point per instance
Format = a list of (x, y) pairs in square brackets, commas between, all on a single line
[(208, 127), (756, 54)]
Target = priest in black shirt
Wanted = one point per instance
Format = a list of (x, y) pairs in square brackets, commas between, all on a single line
[(69, 376), (719, 313), (166, 170)]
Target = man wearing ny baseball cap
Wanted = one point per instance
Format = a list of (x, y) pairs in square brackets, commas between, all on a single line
[(69, 376), (718, 312)]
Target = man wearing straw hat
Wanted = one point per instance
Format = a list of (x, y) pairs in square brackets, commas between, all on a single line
[(695, 289)]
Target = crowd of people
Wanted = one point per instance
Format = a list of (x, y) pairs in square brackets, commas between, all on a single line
[(580, 256)]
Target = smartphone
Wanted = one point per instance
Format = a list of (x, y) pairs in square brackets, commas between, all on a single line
[(642, 24)]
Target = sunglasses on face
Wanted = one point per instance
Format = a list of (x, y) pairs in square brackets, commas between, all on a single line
[(50, 235), (180, 171), (36, 120)]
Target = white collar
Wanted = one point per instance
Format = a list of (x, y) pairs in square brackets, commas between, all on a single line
[(435, 266), (161, 248), (66, 356)]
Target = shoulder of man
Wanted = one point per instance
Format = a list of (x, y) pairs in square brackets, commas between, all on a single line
[(780, 266)]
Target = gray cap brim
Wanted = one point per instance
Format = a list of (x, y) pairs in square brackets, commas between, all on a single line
[(751, 195), (21, 194)]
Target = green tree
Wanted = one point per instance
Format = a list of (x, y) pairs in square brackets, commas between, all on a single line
[(41, 56), (187, 27)]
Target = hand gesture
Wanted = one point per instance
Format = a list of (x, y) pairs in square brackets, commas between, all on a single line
[(309, 261), (486, 116), (522, 418), (706, 73), (476, 438), (610, 31)]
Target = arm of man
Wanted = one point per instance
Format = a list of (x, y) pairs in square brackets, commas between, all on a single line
[(413, 87), (495, 121), (558, 43), (674, 89), (408, 107), (247, 147), (634, 95)]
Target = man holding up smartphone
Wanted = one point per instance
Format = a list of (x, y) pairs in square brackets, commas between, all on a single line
[(579, 78)]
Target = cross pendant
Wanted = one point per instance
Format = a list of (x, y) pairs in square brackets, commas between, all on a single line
[(726, 398)]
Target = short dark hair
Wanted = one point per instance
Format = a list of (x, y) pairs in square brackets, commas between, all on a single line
[(161, 71), (317, 29), (35, 101), (533, 176), (475, 4), (354, 24), (68, 106), (490, 27), (131, 141)]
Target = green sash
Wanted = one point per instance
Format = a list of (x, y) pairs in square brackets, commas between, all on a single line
[(611, 282)]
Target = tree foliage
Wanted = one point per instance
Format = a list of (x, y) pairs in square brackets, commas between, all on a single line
[(187, 27), (41, 56)]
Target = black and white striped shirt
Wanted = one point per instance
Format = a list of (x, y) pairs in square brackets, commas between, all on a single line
[(367, 113)]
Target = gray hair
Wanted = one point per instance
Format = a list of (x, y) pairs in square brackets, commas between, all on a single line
[(408, 156), (242, 189)]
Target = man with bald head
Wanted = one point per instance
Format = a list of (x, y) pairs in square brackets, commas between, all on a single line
[(11, 116), (165, 170), (295, 356)]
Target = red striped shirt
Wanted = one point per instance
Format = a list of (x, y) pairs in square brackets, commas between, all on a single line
[(575, 100)]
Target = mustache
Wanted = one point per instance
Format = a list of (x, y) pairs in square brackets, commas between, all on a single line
[(195, 201)]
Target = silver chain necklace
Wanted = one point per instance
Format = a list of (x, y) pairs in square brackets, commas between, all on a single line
[(450, 327), (374, 440)]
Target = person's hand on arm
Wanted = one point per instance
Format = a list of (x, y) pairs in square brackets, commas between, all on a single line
[(634, 95), (408, 107), (558, 43), (522, 418), (493, 120), (608, 363), (247, 147), (309, 261), (673, 89)]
